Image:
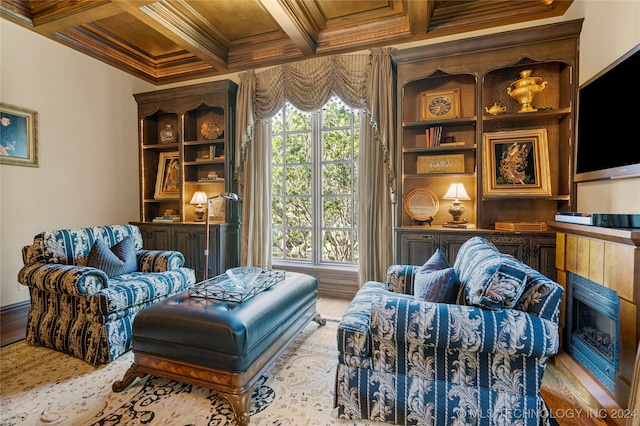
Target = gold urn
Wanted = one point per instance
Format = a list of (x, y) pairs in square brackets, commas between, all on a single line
[(525, 89)]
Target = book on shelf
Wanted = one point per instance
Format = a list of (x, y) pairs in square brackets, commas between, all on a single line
[(433, 136), (203, 158), (463, 225), (453, 143), (160, 219)]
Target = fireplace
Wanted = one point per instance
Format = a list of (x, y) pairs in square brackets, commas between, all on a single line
[(593, 324)]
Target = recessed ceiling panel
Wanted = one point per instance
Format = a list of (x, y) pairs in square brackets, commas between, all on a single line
[(336, 9), (236, 19), (129, 32)]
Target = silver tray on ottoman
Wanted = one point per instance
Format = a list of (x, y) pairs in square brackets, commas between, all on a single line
[(224, 288)]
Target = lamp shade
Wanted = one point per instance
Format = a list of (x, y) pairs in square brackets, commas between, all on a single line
[(456, 192), (198, 198)]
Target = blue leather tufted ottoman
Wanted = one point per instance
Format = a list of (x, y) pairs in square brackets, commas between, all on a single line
[(225, 346)]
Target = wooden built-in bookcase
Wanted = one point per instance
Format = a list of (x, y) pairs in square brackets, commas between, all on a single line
[(203, 115), (482, 69)]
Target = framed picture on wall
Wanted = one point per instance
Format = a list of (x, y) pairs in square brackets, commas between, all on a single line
[(19, 136), (168, 178), (516, 164)]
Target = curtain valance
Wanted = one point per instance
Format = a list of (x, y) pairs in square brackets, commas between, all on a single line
[(309, 84)]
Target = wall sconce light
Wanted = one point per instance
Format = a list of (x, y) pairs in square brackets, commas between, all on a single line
[(199, 198), (456, 192), (227, 196)]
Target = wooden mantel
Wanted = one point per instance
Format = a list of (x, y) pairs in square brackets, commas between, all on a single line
[(609, 257), (628, 236)]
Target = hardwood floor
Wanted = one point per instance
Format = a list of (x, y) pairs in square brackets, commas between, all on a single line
[(570, 403)]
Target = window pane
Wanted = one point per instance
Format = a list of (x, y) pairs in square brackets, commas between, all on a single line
[(299, 211), (298, 148), (298, 180), (277, 212), (337, 246), (297, 120), (356, 141), (336, 145), (278, 243), (276, 122), (277, 180), (278, 149), (356, 246), (335, 114), (338, 212), (336, 179), (299, 244)]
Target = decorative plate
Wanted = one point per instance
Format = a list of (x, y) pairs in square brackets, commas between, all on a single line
[(421, 204), (213, 126)]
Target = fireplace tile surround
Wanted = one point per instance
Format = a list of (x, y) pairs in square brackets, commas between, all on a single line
[(608, 257)]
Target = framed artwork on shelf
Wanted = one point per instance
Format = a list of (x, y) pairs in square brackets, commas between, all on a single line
[(453, 163), (516, 164), (19, 136), (168, 178), (440, 104)]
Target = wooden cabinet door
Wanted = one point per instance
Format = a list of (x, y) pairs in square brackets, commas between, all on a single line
[(155, 237), (543, 255), (416, 248), (191, 241), (187, 241)]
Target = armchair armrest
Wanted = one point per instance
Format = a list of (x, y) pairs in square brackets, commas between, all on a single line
[(68, 279), (400, 278), (406, 321), (159, 260)]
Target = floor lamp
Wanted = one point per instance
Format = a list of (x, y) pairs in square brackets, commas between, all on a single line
[(227, 196)]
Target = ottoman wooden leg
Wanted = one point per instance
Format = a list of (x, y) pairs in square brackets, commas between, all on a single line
[(240, 404), (318, 318), (129, 377)]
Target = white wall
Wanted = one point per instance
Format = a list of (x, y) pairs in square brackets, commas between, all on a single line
[(87, 146), (610, 30), (88, 172)]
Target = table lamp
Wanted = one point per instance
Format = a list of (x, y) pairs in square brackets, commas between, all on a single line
[(199, 198), (227, 196), (456, 192)]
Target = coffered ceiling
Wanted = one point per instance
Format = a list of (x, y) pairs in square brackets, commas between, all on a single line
[(177, 40)]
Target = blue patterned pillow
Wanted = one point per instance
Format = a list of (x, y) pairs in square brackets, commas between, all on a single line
[(435, 263), (503, 288), (436, 281), (120, 259), (440, 286)]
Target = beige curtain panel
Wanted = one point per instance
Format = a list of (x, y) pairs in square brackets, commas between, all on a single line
[(361, 81)]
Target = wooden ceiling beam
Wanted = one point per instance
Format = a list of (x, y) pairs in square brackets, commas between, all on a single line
[(59, 17), (296, 22), (419, 13), (172, 22)]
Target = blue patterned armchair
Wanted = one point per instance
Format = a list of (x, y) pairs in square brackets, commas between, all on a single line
[(85, 311), (478, 360)]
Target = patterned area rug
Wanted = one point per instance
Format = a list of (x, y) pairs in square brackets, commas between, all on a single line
[(40, 386)]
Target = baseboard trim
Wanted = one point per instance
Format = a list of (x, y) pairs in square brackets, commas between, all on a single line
[(13, 322)]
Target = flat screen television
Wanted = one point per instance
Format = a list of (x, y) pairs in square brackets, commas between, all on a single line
[(607, 139)]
